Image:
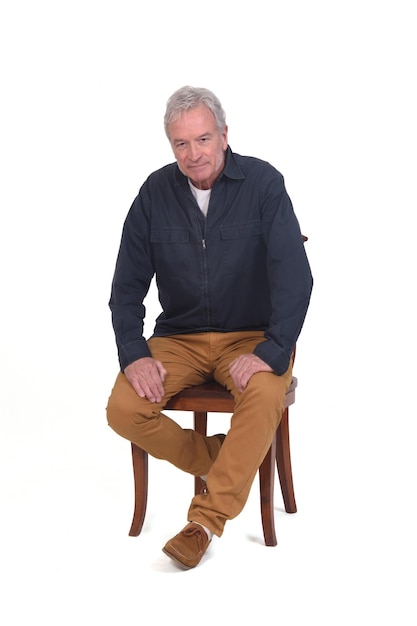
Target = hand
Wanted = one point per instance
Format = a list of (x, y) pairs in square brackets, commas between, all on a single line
[(244, 367), (147, 377)]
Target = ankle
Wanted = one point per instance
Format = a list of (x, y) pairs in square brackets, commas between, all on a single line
[(207, 530)]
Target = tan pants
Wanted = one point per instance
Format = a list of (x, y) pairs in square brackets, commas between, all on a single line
[(231, 469)]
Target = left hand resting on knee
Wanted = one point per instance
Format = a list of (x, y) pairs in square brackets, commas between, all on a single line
[(244, 367)]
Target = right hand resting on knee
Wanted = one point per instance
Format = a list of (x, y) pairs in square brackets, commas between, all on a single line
[(147, 377)]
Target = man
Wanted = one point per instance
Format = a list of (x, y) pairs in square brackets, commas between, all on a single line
[(219, 233)]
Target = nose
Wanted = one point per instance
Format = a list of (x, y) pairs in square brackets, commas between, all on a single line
[(193, 152)]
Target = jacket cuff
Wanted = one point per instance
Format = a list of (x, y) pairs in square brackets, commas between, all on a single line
[(273, 355), (132, 352)]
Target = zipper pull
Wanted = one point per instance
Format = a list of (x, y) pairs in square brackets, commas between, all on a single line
[(203, 241)]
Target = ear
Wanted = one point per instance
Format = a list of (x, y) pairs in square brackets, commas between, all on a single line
[(225, 137)]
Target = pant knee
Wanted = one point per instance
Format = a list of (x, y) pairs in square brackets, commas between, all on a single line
[(115, 415), (120, 410), (126, 412)]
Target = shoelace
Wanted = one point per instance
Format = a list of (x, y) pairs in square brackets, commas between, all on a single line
[(193, 530)]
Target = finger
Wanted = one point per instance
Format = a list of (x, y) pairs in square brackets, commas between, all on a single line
[(146, 387), (236, 365), (153, 390), (150, 393), (138, 388), (162, 371), (153, 385), (237, 379)]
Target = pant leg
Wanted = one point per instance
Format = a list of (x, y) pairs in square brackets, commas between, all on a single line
[(141, 421), (257, 414)]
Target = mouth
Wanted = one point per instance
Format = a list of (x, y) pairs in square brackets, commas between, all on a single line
[(197, 167)]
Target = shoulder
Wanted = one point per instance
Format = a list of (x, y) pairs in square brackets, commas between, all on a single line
[(163, 174), (254, 168)]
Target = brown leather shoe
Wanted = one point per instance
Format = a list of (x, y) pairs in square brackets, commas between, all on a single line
[(188, 547)]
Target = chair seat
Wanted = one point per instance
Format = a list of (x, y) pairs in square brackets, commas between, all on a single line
[(213, 397)]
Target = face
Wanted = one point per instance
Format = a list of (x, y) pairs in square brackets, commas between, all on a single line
[(198, 146)]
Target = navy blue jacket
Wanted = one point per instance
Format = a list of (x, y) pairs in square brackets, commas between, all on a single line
[(244, 267)]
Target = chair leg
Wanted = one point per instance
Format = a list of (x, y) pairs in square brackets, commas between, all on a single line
[(283, 458), (140, 477), (200, 426), (266, 485)]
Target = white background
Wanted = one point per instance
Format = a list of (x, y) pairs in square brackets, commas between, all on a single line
[(325, 91)]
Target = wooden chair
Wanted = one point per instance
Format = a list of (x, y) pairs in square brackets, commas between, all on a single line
[(212, 397)]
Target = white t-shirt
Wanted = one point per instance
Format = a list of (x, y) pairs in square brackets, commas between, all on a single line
[(202, 196)]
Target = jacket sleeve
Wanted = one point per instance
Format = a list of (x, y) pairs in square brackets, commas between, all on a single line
[(131, 281), (289, 276)]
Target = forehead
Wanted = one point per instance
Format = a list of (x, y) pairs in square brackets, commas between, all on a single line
[(193, 123)]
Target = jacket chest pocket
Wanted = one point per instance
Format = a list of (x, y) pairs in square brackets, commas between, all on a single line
[(170, 235), (240, 231), (242, 245), (171, 249)]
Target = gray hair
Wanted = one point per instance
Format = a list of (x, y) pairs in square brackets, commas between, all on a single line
[(187, 98)]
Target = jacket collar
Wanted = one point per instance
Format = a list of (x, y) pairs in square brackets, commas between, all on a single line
[(231, 168)]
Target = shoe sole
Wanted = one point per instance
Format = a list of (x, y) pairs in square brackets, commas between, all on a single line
[(177, 561)]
